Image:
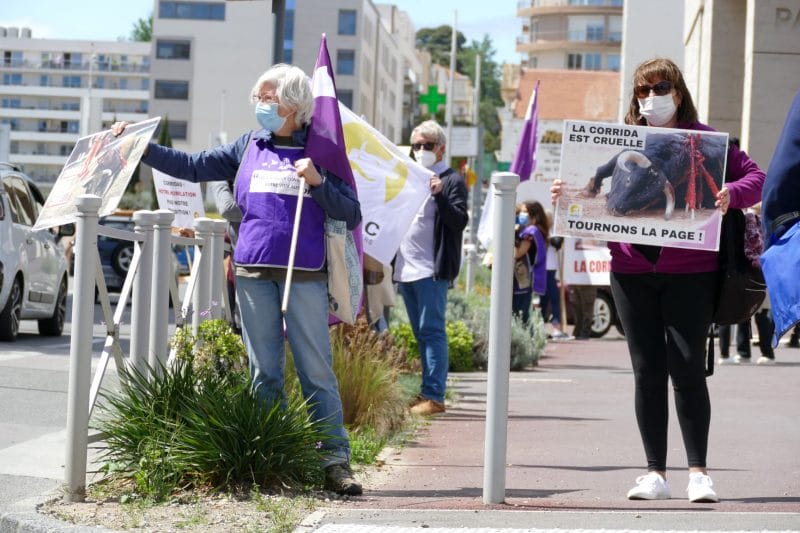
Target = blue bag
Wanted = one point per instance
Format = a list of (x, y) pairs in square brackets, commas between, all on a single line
[(781, 264)]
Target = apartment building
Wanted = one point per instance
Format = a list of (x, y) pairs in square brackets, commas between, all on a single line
[(53, 92), (571, 34), (207, 55)]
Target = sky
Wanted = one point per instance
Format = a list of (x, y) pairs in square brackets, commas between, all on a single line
[(94, 20)]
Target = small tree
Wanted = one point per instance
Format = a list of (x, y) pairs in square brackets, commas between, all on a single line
[(164, 139), (143, 30)]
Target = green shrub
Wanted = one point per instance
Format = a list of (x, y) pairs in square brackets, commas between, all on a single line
[(217, 349), (174, 430), (403, 336), (459, 346)]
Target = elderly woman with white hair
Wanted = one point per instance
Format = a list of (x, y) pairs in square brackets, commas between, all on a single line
[(267, 164)]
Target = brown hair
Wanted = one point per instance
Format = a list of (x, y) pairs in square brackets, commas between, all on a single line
[(668, 71), (538, 217)]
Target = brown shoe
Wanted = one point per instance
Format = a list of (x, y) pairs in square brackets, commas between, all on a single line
[(416, 400), (427, 408)]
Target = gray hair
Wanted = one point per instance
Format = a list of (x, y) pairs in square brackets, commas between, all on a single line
[(430, 129), (293, 89)]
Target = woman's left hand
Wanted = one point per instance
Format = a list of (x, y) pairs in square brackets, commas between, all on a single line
[(723, 200), (305, 167)]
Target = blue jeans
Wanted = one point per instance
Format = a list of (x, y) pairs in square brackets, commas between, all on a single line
[(307, 328), (552, 298), (426, 300)]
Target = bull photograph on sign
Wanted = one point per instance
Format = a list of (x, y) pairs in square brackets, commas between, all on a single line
[(641, 184)]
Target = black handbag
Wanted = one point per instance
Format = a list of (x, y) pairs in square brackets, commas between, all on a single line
[(741, 288)]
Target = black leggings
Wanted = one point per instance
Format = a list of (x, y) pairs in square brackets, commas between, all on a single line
[(666, 319)]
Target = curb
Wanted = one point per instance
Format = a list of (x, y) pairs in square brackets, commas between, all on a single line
[(24, 517)]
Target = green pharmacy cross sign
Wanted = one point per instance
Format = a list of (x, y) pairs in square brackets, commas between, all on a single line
[(433, 99)]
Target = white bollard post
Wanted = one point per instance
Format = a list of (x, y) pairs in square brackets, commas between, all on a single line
[(140, 300), (216, 271), (159, 296), (80, 347), (494, 475), (201, 301)]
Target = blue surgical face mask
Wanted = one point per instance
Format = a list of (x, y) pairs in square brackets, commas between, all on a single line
[(267, 116), (522, 219)]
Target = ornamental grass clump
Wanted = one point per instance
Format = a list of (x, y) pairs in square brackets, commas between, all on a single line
[(187, 426), (367, 368)]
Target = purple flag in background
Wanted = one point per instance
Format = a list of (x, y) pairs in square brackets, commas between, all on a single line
[(325, 144), (525, 159)]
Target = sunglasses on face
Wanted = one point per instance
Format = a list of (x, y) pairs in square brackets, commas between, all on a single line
[(661, 88), (423, 146)]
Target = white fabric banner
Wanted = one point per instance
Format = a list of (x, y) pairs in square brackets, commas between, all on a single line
[(391, 186)]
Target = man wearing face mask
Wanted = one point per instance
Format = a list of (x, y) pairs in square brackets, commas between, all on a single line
[(267, 164), (428, 262)]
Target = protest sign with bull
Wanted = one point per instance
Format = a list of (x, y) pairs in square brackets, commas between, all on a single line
[(641, 185)]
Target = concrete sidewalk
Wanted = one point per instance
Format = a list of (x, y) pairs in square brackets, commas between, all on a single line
[(573, 452)]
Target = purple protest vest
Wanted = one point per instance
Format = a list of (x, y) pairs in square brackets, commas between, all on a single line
[(266, 191)]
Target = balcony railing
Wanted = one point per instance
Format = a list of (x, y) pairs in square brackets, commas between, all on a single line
[(79, 66)]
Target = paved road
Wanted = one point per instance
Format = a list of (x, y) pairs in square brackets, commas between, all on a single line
[(573, 447)]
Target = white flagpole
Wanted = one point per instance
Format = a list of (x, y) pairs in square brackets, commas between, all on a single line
[(293, 246), (449, 102)]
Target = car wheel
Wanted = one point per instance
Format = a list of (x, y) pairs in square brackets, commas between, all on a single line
[(603, 316), (9, 316), (54, 326), (121, 259)]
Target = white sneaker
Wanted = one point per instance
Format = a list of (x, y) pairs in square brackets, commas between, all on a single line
[(561, 336), (726, 361), (741, 360), (650, 487), (699, 489), (765, 360)]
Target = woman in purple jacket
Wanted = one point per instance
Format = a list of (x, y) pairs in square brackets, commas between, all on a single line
[(665, 299)]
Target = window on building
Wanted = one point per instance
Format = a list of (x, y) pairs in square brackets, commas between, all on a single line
[(177, 129), (12, 78), (288, 33), (71, 81), (613, 62), (145, 84), (123, 83), (12, 58), (594, 32), (172, 90), (44, 80), (12, 123), (592, 62), (346, 62), (575, 61), (100, 82), (192, 10), (347, 22), (615, 29), (41, 126), (172, 49), (345, 97), (10, 103), (65, 149)]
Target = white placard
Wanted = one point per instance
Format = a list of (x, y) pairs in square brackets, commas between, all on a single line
[(464, 141), (183, 198)]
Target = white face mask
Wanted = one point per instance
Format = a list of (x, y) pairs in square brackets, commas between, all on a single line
[(657, 110), (425, 158)]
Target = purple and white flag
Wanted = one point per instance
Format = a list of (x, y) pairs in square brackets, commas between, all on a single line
[(525, 159), (325, 145)]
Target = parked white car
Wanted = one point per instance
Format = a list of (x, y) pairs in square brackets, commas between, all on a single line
[(33, 270)]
